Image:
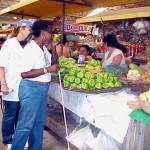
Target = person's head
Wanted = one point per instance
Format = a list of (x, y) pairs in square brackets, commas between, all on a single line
[(84, 50), (42, 31), (2, 40), (22, 30), (111, 41), (64, 39)]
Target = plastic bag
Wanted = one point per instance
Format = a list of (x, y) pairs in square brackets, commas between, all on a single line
[(103, 142), (115, 69), (78, 138), (83, 139)]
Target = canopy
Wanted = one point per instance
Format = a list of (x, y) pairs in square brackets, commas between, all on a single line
[(51, 8), (117, 15)]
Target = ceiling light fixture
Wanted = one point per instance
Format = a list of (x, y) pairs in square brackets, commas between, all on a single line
[(15, 17), (96, 11)]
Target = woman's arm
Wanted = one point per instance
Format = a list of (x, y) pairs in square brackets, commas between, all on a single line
[(38, 72), (4, 87), (117, 59), (54, 53)]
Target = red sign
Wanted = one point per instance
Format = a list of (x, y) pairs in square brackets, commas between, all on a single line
[(77, 28)]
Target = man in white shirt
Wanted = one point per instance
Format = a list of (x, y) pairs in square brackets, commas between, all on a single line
[(10, 77), (33, 89)]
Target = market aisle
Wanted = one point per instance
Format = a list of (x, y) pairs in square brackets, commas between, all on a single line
[(51, 141)]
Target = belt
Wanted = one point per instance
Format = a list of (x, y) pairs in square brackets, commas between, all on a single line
[(42, 82)]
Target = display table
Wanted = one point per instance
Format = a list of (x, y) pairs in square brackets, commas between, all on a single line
[(107, 111)]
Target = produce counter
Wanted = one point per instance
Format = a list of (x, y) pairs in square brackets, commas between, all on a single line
[(107, 111)]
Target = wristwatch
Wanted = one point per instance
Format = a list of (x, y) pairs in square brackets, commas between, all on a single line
[(45, 70)]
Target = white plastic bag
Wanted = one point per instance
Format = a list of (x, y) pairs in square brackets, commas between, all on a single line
[(103, 142), (78, 138)]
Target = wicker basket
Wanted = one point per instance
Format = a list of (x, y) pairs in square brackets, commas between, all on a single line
[(114, 89), (94, 71), (135, 85)]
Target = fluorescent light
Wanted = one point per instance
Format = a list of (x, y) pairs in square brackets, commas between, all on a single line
[(96, 11)]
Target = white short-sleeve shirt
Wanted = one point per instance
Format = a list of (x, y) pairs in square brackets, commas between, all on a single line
[(35, 58), (110, 59), (10, 59)]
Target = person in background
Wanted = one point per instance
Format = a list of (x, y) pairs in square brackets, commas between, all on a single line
[(33, 89), (85, 50), (114, 52), (66, 49), (2, 40), (10, 77)]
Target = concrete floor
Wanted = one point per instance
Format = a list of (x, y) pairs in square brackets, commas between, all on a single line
[(50, 142)]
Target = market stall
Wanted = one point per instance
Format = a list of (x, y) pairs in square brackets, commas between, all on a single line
[(102, 104), (107, 111)]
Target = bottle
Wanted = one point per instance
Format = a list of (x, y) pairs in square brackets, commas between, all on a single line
[(81, 59)]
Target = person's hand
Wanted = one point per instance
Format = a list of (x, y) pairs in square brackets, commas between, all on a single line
[(53, 68), (4, 89)]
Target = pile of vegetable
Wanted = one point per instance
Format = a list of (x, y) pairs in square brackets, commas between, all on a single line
[(79, 78), (136, 67), (93, 65), (66, 63)]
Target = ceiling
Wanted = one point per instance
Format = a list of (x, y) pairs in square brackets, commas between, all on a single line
[(69, 18), (5, 4)]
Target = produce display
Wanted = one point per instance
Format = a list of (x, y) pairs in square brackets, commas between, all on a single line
[(66, 63), (145, 96), (94, 66), (81, 79), (135, 67), (84, 78), (133, 75), (143, 55), (146, 76), (144, 100), (137, 73)]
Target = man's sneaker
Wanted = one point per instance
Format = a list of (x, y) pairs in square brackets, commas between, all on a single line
[(7, 146), (26, 145)]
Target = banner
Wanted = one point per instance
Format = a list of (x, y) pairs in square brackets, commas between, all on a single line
[(77, 28)]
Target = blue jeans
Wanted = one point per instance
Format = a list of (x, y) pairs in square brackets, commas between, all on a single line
[(9, 120), (32, 115)]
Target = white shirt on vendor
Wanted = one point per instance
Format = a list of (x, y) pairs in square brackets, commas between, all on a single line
[(35, 58), (109, 61), (10, 59)]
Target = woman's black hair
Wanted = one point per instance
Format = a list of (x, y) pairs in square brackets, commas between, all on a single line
[(64, 39), (111, 41), (41, 25), (87, 48), (2, 40)]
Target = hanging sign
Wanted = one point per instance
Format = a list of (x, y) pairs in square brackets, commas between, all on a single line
[(77, 28)]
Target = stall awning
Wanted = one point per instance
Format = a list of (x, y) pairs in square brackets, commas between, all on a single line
[(117, 15), (51, 8)]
